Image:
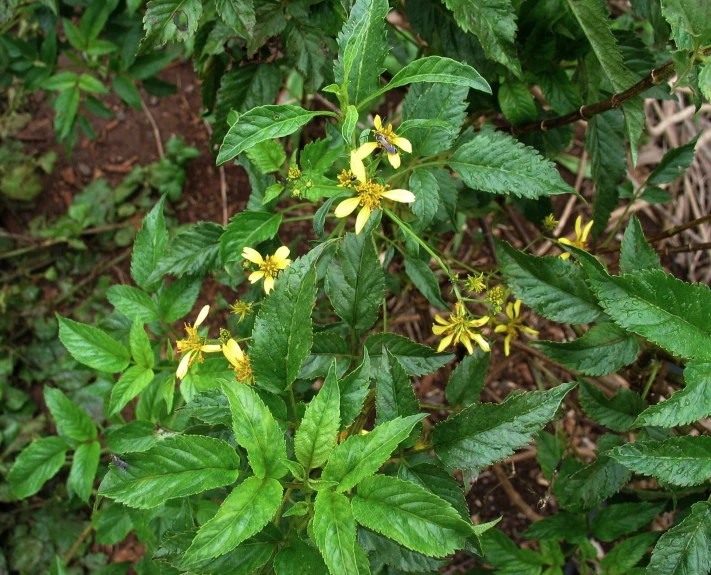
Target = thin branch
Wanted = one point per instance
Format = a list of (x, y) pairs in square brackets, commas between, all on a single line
[(514, 495), (666, 234)]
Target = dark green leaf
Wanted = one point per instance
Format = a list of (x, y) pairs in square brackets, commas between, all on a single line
[(394, 396), (516, 102), (131, 383), (636, 254), (170, 20), (628, 553), (618, 413), (179, 299), (127, 91), (247, 230), (84, 467), (149, 246), (676, 161), (425, 281), (424, 186), (299, 558), (71, 420), (467, 380), (36, 464), (237, 13), (415, 358), (91, 346), (614, 521), (66, 106), (195, 250), (133, 436), (354, 389)]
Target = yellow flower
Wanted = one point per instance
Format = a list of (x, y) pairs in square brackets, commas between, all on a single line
[(269, 266), (193, 347), (476, 283), (388, 140), (513, 326), (242, 309), (346, 179), (581, 237), (294, 173), (549, 223), (239, 360), (370, 195), (496, 298), (460, 328)]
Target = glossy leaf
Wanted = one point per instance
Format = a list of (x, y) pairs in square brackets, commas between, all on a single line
[(91, 346), (131, 383), (467, 380), (132, 302), (71, 420), (247, 230), (335, 530), (83, 471), (36, 464), (618, 413)]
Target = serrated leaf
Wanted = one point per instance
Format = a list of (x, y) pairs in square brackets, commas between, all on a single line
[(690, 22), (411, 515), (83, 471), (679, 460), (195, 250), (636, 253), (249, 507), (91, 346), (507, 557), (349, 124), (260, 124), (327, 348), (425, 281), (132, 302), (394, 395), (516, 102), (256, 430), (353, 390), (614, 521), (562, 525), (686, 405), (675, 162), (141, 346), (66, 106), (395, 555), (602, 350), (497, 163), (484, 433), (308, 48), (626, 554), (133, 436), (71, 420), (131, 383), (553, 287), (36, 464), (335, 531), (618, 412), (178, 466), (237, 13), (318, 432), (684, 549), (299, 558), (355, 281), (467, 380), (360, 456), (417, 359), (149, 246), (247, 230), (267, 156), (170, 20), (179, 298), (425, 187)]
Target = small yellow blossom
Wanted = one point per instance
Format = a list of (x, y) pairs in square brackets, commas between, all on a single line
[(346, 179), (239, 360), (460, 327), (550, 223), (496, 298), (242, 309), (294, 173), (476, 283), (269, 266), (388, 140), (581, 237), (369, 196), (193, 347), (513, 326)]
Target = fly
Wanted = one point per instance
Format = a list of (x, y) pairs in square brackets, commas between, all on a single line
[(118, 462), (383, 141)]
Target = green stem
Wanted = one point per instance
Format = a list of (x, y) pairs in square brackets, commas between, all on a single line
[(292, 402), (651, 378)]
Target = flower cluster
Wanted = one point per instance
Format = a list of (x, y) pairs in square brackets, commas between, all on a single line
[(269, 266), (460, 328)]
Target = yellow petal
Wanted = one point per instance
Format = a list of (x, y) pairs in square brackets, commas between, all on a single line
[(517, 307), (394, 159), (232, 352), (467, 343), (565, 241), (444, 344), (357, 167), (253, 256), (501, 328), (255, 276), (564, 256), (404, 196), (439, 319), (481, 341), (184, 364), (579, 226), (510, 310), (362, 219), (211, 348), (439, 329), (525, 329), (280, 255), (378, 122), (201, 316), (268, 284), (402, 143), (283, 264), (507, 345), (366, 149), (479, 322), (346, 207), (587, 229)]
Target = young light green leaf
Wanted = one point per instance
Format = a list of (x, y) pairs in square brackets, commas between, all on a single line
[(618, 413), (468, 378), (484, 433), (260, 124), (178, 466), (686, 405), (239, 14), (394, 396), (410, 514), (349, 124), (57, 566), (602, 350), (353, 390), (149, 246), (91, 346), (256, 430), (497, 163), (37, 464), (247, 230), (425, 281), (141, 346), (170, 20), (679, 460), (614, 521), (360, 456), (249, 507), (132, 302), (417, 359), (66, 106), (355, 281), (71, 420), (684, 549), (83, 471), (267, 156), (131, 383), (553, 287), (335, 530), (318, 432), (636, 254)]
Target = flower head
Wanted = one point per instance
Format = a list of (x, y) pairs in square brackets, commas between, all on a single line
[(294, 173), (476, 283), (549, 223), (239, 360), (581, 237), (269, 266), (496, 297), (193, 347), (346, 179), (513, 326), (369, 196), (242, 309), (460, 327), (388, 140)]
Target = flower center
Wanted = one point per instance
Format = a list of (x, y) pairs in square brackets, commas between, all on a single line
[(243, 371), (269, 267), (194, 341), (370, 194)]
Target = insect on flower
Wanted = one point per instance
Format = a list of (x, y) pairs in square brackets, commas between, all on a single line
[(388, 140), (383, 141)]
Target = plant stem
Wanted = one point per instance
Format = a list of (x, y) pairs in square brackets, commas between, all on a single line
[(650, 380)]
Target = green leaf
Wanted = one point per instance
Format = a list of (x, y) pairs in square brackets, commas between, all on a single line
[(267, 156), (553, 287), (690, 22), (257, 431), (686, 405), (497, 163), (360, 456), (133, 436), (335, 531), (74, 35), (327, 348), (705, 80), (602, 350), (362, 47), (177, 466), (260, 124), (247, 230), (91, 346), (88, 83), (507, 557), (141, 346), (149, 246), (299, 558), (349, 124), (614, 521), (170, 20), (684, 549), (195, 250), (179, 299), (132, 302), (283, 331), (494, 23), (249, 507), (425, 281), (71, 420), (127, 91), (355, 282), (411, 515), (467, 380), (425, 187), (57, 567), (618, 413), (636, 254), (131, 383), (417, 359), (485, 433), (66, 106), (562, 525), (516, 102), (237, 13), (95, 17), (395, 555), (308, 48), (353, 390), (679, 460), (84, 467), (61, 81), (36, 464), (318, 432), (626, 554), (676, 161), (394, 396)]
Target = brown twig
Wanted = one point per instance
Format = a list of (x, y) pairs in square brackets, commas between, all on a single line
[(666, 234), (154, 126), (514, 495), (684, 249)]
